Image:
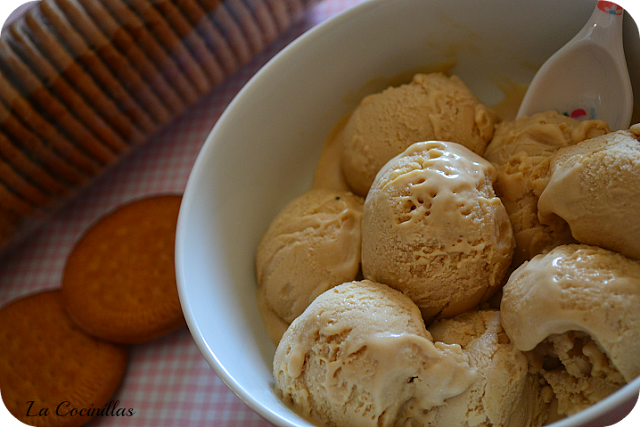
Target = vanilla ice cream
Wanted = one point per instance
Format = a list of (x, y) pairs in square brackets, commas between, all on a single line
[(577, 308), (521, 151), (505, 393), (432, 106), (360, 355), (595, 187), (433, 228), (312, 245)]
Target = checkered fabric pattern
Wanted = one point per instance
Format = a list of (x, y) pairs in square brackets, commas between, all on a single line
[(168, 383)]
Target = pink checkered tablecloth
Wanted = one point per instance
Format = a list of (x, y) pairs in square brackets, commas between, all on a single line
[(168, 382)]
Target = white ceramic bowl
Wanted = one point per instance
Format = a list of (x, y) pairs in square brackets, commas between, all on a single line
[(263, 149)]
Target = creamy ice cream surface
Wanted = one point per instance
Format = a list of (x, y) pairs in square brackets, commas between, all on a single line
[(521, 150), (360, 355), (577, 308), (432, 107), (434, 229), (312, 245), (505, 393), (448, 269), (577, 370), (595, 187)]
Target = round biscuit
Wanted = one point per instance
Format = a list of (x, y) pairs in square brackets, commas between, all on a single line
[(68, 38), (211, 35), (33, 171), (40, 43), (192, 41), (59, 87), (45, 101), (134, 26), (122, 40), (119, 280), (51, 372)]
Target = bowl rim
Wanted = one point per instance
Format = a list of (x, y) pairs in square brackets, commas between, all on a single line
[(189, 193)]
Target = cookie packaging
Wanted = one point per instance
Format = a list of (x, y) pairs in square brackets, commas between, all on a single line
[(83, 82)]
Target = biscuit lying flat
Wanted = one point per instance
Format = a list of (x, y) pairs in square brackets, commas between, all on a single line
[(119, 281), (49, 368)]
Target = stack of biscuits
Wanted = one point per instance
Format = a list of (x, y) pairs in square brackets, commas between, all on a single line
[(82, 82)]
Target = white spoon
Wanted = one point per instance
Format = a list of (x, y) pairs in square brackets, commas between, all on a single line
[(588, 77)]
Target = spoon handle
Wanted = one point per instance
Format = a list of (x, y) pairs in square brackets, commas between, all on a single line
[(587, 78), (610, 8), (606, 21)]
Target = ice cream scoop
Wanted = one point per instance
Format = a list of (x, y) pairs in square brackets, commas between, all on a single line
[(360, 355), (505, 393), (521, 150), (577, 288), (595, 187), (312, 245), (433, 228), (588, 77), (575, 310), (431, 107)]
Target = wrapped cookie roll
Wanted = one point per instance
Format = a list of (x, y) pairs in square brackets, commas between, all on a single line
[(82, 82)]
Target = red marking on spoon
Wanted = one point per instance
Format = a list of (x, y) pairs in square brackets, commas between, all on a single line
[(578, 113)]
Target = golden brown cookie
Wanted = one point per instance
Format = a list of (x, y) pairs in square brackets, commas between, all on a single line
[(192, 40), (123, 41), (232, 32), (28, 168), (9, 224), (51, 372), (44, 101), (15, 180), (213, 38), (72, 19), (265, 19), (167, 37), (134, 26), (246, 21), (296, 9), (21, 120), (11, 201), (280, 11), (34, 45), (41, 17), (119, 281), (28, 54)]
